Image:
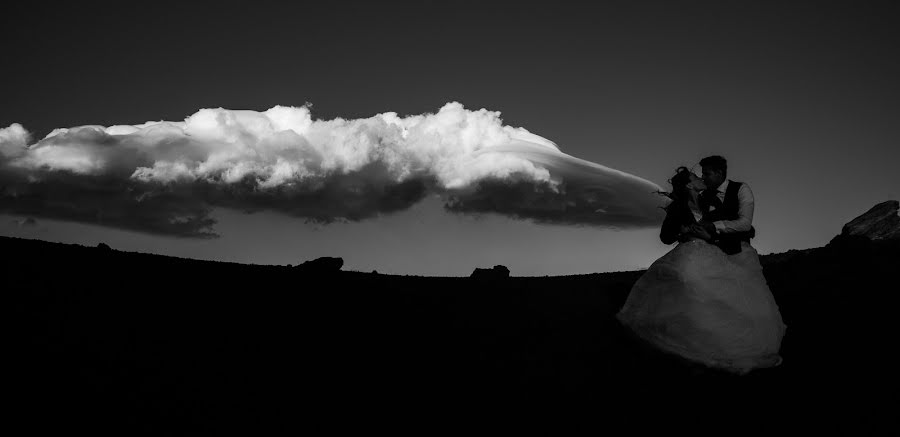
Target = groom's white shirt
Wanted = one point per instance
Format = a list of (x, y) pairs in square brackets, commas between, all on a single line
[(745, 210)]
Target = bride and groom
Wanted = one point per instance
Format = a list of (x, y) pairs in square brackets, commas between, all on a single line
[(707, 300)]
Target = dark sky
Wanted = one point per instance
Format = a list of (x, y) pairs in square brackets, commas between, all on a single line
[(802, 98)]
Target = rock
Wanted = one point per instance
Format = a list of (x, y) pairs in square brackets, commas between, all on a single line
[(498, 272), (104, 247), (882, 222), (325, 264)]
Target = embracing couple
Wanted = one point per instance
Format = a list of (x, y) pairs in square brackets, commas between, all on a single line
[(707, 300)]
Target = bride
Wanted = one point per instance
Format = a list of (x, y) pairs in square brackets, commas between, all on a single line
[(699, 303)]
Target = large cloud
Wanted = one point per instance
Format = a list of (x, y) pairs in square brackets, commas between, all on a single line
[(165, 177)]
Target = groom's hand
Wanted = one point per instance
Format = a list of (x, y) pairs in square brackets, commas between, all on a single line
[(699, 231), (709, 227)]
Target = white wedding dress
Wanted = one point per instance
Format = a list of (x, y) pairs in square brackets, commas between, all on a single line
[(708, 307)]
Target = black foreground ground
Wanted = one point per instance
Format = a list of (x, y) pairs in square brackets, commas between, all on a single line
[(124, 343)]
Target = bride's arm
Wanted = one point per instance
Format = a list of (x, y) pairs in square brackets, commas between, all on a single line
[(671, 229), (698, 231), (675, 228)]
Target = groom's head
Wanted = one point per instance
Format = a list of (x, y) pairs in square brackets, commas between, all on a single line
[(715, 169)]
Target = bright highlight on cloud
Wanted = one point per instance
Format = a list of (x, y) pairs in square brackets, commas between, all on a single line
[(165, 177)]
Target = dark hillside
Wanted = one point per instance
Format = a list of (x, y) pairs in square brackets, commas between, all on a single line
[(126, 342)]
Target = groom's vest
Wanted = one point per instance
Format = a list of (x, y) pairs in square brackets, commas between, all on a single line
[(730, 243)]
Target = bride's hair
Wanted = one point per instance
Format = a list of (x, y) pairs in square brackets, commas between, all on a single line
[(679, 181)]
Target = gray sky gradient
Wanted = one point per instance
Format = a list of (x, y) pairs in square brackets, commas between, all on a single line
[(802, 99)]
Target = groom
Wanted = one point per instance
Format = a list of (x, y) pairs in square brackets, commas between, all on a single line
[(727, 207)]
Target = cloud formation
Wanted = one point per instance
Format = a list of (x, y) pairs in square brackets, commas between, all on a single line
[(166, 177), (25, 222)]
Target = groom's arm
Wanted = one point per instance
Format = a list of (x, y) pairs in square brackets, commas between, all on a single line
[(745, 214)]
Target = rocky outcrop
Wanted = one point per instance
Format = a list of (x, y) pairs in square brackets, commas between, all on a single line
[(104, 247), (498, 272), (882, 222), (322, 265)]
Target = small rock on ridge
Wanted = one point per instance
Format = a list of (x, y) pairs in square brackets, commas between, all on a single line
[(325, 264), (498, 272)]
